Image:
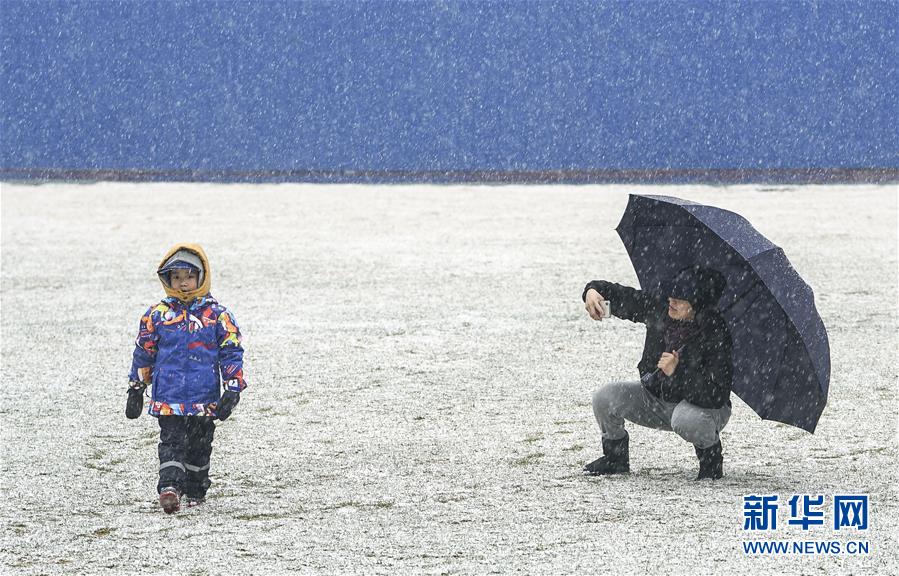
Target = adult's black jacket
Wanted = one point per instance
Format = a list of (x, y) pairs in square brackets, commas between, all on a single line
[(704, 372)]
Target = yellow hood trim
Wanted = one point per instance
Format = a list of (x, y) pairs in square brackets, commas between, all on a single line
[(202, 289)]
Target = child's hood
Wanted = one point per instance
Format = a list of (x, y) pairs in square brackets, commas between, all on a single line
[(192, 254)]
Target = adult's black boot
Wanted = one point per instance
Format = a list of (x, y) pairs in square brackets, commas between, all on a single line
[(615, 459), (711, 462)]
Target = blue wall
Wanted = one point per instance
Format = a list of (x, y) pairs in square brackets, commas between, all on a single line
[(415, 86)]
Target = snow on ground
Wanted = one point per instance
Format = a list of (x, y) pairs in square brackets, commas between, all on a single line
[(420, 369)]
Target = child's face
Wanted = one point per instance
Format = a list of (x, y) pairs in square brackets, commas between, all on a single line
[(183, 280)]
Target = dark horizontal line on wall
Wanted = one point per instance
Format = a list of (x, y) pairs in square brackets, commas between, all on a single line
[(651, 176)]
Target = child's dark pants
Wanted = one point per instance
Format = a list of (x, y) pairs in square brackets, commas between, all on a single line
[(185, 445)]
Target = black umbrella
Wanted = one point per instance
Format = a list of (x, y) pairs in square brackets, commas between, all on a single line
[(781, 354)]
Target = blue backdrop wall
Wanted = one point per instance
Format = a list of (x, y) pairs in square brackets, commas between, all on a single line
[(448, 86)]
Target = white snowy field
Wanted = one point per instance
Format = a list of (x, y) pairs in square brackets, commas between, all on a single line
[(420, 369)]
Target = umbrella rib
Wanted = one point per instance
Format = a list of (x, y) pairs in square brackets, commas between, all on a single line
[(741, 296)]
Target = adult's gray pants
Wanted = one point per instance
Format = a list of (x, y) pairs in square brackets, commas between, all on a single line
[(619, 401)]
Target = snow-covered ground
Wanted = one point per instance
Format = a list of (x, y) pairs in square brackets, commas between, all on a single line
[(420, 369)]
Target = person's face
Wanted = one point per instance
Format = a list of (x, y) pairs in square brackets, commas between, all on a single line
[(183, 280), (680, 309)]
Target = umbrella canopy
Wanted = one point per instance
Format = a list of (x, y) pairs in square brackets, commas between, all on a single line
[(781, 354)]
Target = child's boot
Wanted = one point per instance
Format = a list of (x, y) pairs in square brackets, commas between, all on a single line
[(170, 499), (191, 501)]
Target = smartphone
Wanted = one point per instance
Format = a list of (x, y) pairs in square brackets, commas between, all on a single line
[(606, 309)]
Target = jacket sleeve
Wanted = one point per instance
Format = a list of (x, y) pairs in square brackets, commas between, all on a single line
[(625, 302), (144, 356), (230, 352)]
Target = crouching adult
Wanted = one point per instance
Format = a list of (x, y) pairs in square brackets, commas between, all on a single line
[(685, 370)]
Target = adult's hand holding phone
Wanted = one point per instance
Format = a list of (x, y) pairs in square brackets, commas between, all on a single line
[(593, 303)]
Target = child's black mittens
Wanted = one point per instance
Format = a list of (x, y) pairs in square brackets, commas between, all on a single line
[(229, 400), (135, 404)]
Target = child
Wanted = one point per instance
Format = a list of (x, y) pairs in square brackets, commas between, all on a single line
[(187, 347)]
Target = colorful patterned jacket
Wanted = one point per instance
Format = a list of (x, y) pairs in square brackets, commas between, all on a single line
[(187, 349)]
